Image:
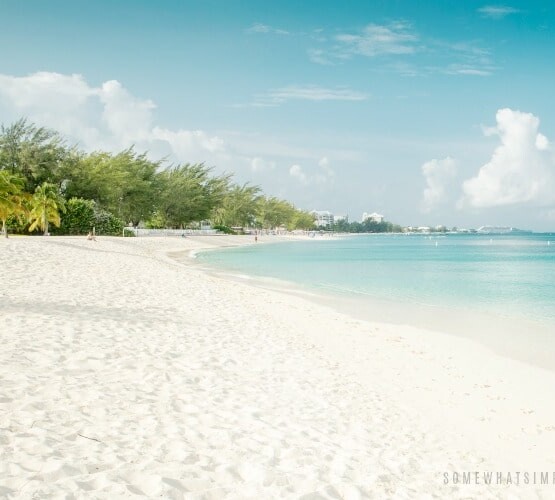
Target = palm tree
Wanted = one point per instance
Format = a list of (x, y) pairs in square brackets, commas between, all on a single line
[(11, 197), (46, 205)]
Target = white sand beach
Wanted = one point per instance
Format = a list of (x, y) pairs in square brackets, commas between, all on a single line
[(125, 373)]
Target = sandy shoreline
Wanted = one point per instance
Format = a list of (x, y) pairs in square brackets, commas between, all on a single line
[(125, 372), (501, 333)]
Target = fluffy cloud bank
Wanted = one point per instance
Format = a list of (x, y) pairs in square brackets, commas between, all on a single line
[(521, 169), (109, 117), (438, 174), (321, 175), (104, 117)]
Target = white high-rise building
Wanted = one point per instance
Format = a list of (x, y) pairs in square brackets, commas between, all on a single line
[(374, 217), (322, 218)]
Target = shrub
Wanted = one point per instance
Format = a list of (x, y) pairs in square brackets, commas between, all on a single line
[(79, 217), (107, 223), (82, 216), (16, 224)]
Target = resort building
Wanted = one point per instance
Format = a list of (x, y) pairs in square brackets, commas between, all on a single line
[(322, 218), (374, 217)]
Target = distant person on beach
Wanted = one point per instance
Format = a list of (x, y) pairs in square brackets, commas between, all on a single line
[(255, 238)]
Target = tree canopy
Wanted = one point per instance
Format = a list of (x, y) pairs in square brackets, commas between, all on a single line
[(41, 175), (34, 153)]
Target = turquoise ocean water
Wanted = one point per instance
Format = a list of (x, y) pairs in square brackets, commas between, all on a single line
[(509, 275)]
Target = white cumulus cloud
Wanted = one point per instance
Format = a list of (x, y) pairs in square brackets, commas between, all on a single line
[(63, 102), (100, 117), (438, 174), (297, 172), (125, 116), (258, 164), (324, 164), (321, 174), (521, 169)]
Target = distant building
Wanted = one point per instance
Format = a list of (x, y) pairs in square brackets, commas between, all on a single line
[(322, 218), (374, 217)]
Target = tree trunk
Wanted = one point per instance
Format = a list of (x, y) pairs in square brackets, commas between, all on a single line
[(4, 228)]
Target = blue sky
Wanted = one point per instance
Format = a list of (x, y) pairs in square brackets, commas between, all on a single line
[(430, 112)]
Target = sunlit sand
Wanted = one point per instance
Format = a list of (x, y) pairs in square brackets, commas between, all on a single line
[(124, 371)]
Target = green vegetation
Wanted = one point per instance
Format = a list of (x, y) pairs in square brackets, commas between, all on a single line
[(47, 185), (45, 207), (81, 216), (12, 198), (187, 193), (368, 226)]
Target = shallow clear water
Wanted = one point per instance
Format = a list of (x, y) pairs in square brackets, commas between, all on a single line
[(510, 275)]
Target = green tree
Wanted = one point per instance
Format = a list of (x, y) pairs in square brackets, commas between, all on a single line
[(273, 212), (108, 190), (239, 207), (46, 205), (82, 176), (135, 198), (79, 216), (11, 198), (124, 184), (188, 193), (341, 226), (303, 220), (35, 153), (371, 226)]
